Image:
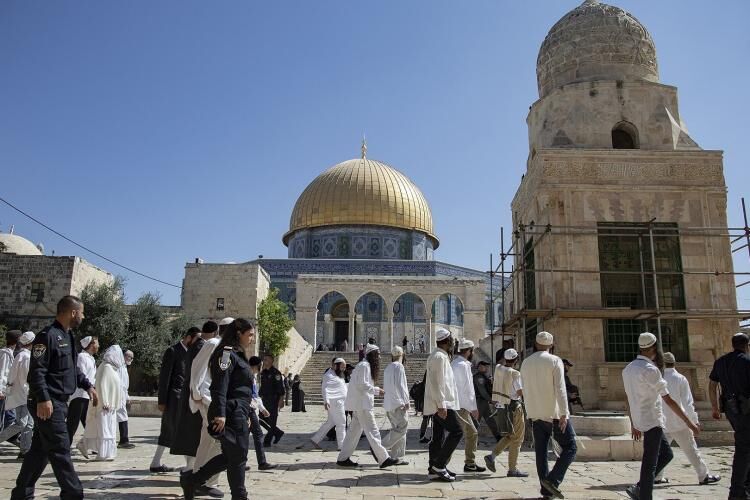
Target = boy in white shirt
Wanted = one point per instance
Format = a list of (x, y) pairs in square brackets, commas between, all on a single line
[(333, 389), (396, 405), (467, 402), (17, 395)]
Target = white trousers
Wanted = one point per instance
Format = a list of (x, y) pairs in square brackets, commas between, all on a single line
[(395, 441), (336, 418), (363, 421), (689, 447), (208, 447)]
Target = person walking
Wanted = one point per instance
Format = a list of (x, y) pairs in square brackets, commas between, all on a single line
[(257, 408), (298, 395), (287, 388), (17, 395), (729, 392), (228, 412), (542, 376), (676, 430), (396, 405), (360, 399), (483, 393), (468, 413), (78, 406), (506, 394), (272, 393), (53, 377), (333, 388), (171, 380), (441, 403), (7, 356), (646, 389), (122, 411)]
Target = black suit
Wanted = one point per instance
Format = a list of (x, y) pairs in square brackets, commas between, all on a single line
[(188, 424), (171, 380)]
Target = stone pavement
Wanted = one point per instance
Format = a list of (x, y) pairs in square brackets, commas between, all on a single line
[(312, 474)]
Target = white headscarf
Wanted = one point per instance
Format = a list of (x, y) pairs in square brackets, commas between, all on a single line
[(113, 355)]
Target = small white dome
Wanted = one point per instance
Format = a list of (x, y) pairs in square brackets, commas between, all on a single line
[(12, 243)]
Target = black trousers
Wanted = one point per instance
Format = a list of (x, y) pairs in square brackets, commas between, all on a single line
[(423, 427), (740, 485), (124, 439), (257, 433), (50, 444), (270, 422), (656, 455), (446, 434), (232, 459), (77, 410), (484, 414)]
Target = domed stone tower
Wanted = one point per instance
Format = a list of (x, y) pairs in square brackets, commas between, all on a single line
[(12, 243), (611, 173), (361, 209)]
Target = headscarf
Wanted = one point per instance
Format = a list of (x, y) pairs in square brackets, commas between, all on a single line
[(113, 355)]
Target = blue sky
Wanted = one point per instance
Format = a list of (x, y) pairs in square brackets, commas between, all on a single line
[(156, 132)]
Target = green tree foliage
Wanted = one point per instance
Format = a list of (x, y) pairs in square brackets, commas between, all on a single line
[(106, 313), (273, 323)]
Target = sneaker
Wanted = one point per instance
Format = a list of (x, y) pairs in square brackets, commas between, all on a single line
[(432, 471), (517, 473), (205, 490), (126, 446), (267, 466), (551, 488), (661, 480), (346, 463), (473, 468), (82, 449), (161, 469), (634, 492), (490, 462), (442, 475), (186, 483), (709, 479), (388, 462)]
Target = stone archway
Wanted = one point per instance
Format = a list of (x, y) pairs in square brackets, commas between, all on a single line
[(371, 320), (332, 321), (411, 321), (448, 313)]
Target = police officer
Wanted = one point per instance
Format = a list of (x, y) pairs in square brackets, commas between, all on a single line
[(53, 377), (229, 411), (272, 394), (483, 391), (730, 386)]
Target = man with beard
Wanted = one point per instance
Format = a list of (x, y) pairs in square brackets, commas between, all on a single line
[(396, 405), (171, 380), (272, 393), (360, 399), (188, 424), (53, 377), (646, 389), (333, 389), (79, 401), (483, 392), (441, 402), (467, 401)]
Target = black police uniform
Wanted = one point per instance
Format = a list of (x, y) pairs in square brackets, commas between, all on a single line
[(188, 425), (732, 372), (171, 380), (271, 390), (483, 391), (231, 393), (53, 376)]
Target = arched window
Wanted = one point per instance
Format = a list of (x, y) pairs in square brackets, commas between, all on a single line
[(625, 136)]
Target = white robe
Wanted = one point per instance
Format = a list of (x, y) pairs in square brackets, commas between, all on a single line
[(101, 420)]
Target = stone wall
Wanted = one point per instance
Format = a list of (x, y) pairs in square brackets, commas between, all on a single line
[(295, 357)]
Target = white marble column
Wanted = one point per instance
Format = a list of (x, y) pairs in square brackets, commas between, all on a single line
[(350, 332)]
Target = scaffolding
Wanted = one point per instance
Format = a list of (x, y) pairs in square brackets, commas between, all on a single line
[(518, 311)]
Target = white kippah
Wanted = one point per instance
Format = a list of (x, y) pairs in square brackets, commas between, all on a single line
[(27, 338), (339, 360), (669, 358), (544, 338), (465, 344), (370, 348), (85, 341), (646, 340), (226, 321), (397, 351), (441, 334), (510, 354)]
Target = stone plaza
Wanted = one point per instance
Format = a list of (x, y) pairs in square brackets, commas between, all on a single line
[(311, 474)]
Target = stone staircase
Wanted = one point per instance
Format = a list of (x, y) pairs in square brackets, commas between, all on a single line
[(319, 361)]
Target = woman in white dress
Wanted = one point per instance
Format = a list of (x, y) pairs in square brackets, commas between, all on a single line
[(101, 429)]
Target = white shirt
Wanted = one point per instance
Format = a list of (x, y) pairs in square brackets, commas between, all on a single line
[(464, 383), (394, 385), (544, 393), (87, 366), (332, 387), (361, 393), (6, 362), (645, 389), (125, 383), (200, 377), (18, 388), (679, 390), (440, 387), (506, 381)]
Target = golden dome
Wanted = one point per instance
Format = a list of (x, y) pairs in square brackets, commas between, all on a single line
[(362, 192)]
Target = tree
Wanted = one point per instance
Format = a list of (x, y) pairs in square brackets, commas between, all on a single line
[(2, 247), (273, 323), (105, 313)]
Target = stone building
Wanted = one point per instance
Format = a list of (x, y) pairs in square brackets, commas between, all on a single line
[(615, 218), (361, 265), (31, 283)]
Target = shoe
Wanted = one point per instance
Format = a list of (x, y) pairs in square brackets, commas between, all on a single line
[(709, 479), (346, 463), (278, 437), (267, 466), (490, 462), (388, 462), (662, 480), (126, 446), (424, 440), (82, 450), (634, 492), (551, 488), (205, 490), (517, 473), (186, 483), (161, 469), (442, 475), (20, 457), (401, 461), (433, 472), (473, 468), (316, 445)]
